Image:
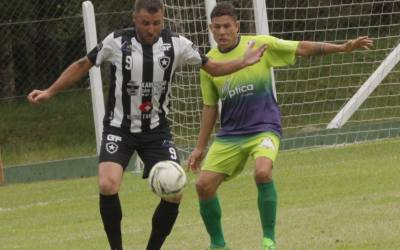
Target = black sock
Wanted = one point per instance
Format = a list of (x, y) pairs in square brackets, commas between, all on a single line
[(164, 218), (111, 214)]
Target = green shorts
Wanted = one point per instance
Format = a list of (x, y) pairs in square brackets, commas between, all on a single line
[(228, 154)]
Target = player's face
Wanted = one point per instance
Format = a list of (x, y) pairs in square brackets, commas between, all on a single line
[(148, 25), (225, 31)]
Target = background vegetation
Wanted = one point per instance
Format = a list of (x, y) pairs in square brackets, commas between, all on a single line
[(40, 38)]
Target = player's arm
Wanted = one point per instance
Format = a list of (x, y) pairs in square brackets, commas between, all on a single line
[(251, 56), (208, 119), (307, 48), (69, 77)]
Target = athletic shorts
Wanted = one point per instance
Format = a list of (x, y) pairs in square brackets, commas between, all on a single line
[(118, 146), (228, 154)]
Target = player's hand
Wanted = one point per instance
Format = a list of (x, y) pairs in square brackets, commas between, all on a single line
[(253, 55), (361, 42), (194, 160), (38, 96)]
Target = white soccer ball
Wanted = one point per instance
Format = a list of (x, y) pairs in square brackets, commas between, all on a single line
[(167, 179)]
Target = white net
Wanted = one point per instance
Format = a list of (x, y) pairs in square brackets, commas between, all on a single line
[(311, 92)]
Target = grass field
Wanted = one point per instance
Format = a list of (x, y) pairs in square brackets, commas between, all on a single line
[(330, 198)]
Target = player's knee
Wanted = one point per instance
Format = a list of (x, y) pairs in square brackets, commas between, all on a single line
[(108, 186), (204, 187), (263, 175)]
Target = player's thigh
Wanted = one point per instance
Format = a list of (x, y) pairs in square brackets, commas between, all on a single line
[(265, 145), (225, 156), (160, 148), (109, 177)]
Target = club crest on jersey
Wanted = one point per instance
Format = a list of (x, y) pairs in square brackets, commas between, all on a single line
[(111, 147), (164, 62), (165, 47)]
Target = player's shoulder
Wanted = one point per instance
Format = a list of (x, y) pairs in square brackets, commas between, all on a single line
[(258, 38), (167, 34)]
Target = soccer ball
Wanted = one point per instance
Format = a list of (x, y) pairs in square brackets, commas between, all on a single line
[(167, 179)]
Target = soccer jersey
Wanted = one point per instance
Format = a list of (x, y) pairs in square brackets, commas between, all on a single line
[(248, 102), (141, 77)]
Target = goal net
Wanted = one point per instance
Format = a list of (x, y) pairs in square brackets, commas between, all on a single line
[(314, 90)]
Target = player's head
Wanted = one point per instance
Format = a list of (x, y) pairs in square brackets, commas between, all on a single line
[(224, 25), (148, 17)]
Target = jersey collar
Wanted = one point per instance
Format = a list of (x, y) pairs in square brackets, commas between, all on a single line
[(230, 49)]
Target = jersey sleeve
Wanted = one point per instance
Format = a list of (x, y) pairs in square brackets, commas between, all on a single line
[(208, 89), (190, 54), (103, 51), (280, 52)]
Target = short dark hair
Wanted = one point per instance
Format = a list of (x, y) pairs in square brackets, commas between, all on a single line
[(152, 6), (223, 9)]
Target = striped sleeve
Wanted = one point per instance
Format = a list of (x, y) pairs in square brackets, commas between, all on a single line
[(103, 51)]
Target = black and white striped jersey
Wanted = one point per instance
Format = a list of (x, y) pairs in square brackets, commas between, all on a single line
[(141, 77)]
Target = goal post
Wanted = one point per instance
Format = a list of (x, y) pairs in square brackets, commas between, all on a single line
[(366, 89), (312, 92), (96, 85)]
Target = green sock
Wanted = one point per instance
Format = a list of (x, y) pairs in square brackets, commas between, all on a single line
[(210, 211), (267, 203)]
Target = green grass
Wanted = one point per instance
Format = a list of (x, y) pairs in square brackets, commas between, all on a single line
[(329, 198), (60, 128)]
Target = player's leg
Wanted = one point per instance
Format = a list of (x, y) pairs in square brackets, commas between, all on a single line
[(265, 148), (210, 209), (224, 161), (155, 148), (114, 157)]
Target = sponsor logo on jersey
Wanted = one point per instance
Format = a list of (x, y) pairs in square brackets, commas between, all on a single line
[(133, 88), (165, 47), (146, 106), (126, 47), (114, 138), (230, 91), (164, 62), (167, 143)]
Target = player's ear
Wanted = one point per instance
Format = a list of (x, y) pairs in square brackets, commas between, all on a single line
[(237, 26)]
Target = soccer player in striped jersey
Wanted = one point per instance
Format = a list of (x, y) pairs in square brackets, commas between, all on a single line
[(250, 119), (143, 61)]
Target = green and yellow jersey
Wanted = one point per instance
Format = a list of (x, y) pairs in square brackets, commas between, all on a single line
[(248, 102)]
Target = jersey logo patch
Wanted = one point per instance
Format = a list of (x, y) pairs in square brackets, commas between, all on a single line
[(164, 62), (126, 47), (268, 144), (165, 47), (133, 88), (111, 147), (146, 106)]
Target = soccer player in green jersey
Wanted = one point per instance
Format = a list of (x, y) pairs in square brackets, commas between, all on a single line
[(250, 119)]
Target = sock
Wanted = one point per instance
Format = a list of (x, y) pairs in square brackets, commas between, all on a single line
[(111, 214), (210, 211), (267, 203), (164, 218)]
